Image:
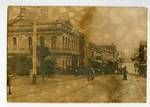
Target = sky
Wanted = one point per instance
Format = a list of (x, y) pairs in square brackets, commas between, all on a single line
[(124, 26)]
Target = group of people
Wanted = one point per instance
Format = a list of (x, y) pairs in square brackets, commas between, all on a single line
[(90, 73), (123, 71)]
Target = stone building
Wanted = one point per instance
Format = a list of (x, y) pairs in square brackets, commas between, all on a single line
[(103, 58), (65, 43), (102, 52)]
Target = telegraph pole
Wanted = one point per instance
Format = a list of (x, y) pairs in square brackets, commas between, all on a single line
[(23, 12), (34, 57), (34, 46)]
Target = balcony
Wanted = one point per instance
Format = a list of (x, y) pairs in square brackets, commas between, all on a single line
[(19, 52), (52, 52), (63, 52)]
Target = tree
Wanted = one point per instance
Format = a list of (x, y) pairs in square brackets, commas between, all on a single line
[(42, 53)]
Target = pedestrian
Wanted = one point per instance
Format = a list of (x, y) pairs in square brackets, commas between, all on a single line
[(88, 74), (136, 67), (92, 73), (9, 84), (76, 72), (125, 73)]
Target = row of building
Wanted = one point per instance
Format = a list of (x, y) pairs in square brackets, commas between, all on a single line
[(67, 46)]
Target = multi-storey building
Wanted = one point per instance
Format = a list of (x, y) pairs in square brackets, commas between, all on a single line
[(102, 52), (65, 44), (102, 57)]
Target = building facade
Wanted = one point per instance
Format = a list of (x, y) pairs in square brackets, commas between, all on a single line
[(102, 52), (103, 58), (65, 44)]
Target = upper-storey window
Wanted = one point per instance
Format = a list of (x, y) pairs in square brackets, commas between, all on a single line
[(42, 41), (63, 41), (14, 42), (30, 42), (68, 43), (53, 44), (92, 54)]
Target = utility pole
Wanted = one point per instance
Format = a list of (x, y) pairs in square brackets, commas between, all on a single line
[(34, 44), (24, 12), (34, 57)]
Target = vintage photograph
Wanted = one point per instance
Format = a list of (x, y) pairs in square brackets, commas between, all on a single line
[(76, 54)]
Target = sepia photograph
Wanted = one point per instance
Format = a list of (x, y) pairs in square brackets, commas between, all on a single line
[(76, 54)]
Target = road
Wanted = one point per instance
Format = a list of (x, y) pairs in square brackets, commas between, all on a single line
[(67, 88), (132, 90)]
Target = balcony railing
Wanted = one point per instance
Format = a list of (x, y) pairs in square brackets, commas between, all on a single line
[(19, 51), (60, 51), (52, 51)]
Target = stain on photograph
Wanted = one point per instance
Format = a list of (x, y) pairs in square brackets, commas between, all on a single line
[(76, 54)]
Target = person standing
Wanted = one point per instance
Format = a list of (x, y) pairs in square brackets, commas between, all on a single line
[(76, 72), (125, 73), (9, 84), (136, 67), (91, 74)]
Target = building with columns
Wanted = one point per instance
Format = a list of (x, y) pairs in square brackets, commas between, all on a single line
[(65, 43)]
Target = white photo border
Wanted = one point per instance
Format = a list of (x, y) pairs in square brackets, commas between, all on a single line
[(3, 46)]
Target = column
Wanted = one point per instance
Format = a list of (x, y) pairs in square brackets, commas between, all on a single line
[(63, 42), (34, 70)]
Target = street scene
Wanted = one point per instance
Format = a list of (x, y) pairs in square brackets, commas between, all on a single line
[(76, 54)]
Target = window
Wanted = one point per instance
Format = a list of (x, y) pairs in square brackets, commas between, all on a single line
[(68, 43), (14, 42), (53, 44), (92, 54), (63, 41), (42, 41), (30, 42), (72, 44)]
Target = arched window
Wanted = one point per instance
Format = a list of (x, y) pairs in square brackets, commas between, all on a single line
[(42, 41), (68, 43), (77, 43), (63, 42), (53, 43), (72, 44), (14, 42), (30, 42)]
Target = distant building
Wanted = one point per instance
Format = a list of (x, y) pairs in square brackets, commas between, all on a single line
[(102, 52)]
